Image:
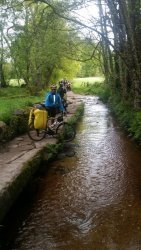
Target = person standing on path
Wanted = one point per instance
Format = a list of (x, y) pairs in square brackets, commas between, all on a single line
[(63, 94), (53, 103)]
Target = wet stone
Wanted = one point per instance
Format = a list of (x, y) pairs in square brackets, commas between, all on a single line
[(62, 170), (61, 156), (70, 153), (13, 146), (19, 139), (69, 145)]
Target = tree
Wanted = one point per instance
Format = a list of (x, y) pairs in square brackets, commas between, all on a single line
[(121, 55), (2, 48), (52, 34), (39, 42)]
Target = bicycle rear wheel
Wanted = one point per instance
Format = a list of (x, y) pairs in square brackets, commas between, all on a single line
[(66, 131), (35, 134)]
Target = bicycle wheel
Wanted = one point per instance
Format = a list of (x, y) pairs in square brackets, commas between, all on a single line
[(66, 131), (35, 134)]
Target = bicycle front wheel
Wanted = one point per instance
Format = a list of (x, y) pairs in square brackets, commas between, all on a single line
[(35, 134), (66, 131)]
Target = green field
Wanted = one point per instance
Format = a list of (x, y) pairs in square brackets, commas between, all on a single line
[(16, 82), (12, 98), (91, 86), (77, 82)]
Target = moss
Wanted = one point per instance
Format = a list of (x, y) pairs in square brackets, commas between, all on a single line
[(28, 171), (128, 118), (98, 89), (78, 114), (16, 126)]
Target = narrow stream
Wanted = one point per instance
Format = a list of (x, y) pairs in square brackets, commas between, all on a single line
[(91, 201)]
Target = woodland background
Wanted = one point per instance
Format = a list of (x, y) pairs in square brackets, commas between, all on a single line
[(42, 41)]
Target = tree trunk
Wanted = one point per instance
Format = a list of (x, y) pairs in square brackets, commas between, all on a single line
[(2, 79)]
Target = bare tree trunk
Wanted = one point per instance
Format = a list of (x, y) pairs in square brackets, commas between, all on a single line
[(106, 52), (133, 55), (2, 79)]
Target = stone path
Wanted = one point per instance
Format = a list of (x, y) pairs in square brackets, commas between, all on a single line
[(14, 155)]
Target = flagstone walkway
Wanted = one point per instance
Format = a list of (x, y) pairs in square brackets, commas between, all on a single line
[(14, 155)]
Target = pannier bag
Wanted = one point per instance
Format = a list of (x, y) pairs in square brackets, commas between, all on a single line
[(40, 119)]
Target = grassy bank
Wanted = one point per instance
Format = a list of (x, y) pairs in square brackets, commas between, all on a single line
[(13, 98), (128, 118), (91, 86), (8, 106), (13, 92)]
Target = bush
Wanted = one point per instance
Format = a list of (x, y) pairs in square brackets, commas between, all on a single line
[(17, 126), (129, 119)]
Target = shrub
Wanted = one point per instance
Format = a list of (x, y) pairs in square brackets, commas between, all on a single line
[(129, 119)]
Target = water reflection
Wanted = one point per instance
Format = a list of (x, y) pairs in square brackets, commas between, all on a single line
[(95, 205)]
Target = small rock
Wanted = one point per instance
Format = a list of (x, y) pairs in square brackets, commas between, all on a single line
[(61, 156), (2, 124), (19, 139), (19, 112), (13, 146), (70, 153)]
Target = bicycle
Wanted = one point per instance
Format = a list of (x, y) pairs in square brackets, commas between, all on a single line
[(59, 129)]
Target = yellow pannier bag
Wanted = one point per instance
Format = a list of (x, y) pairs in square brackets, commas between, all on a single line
[(40, 120)]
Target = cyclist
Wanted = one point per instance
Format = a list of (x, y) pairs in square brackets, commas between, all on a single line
[(63, 94), (53, 103), (68, 86), (64, 82), (61, 90)]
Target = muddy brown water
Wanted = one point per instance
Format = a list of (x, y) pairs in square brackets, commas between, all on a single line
[(91, 201)]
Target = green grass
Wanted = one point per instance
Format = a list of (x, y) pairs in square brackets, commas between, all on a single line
[(13, 98), (89, 80), (128, 118), (8, 106), (13, 92), (91, 86)]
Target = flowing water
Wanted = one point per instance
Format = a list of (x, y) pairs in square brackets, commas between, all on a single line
[(91, 201)]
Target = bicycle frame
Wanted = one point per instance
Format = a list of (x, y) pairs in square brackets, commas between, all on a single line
[(55, 123)]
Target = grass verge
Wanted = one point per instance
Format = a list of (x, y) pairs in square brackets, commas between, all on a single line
[(128, 118), (91, 86)]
